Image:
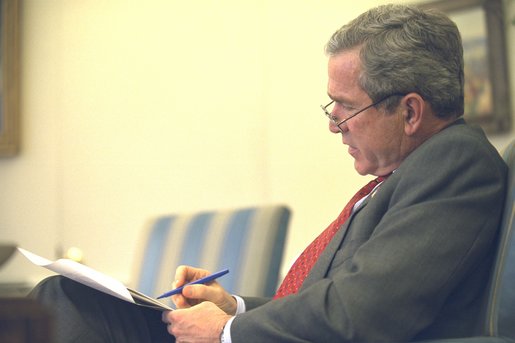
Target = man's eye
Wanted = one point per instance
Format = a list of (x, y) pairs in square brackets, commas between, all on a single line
[(348, 108), (343, 107)]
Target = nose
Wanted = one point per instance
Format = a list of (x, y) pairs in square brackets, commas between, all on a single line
[(333, 127), (342, 128)]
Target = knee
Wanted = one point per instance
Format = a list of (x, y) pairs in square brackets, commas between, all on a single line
[(49, 286), (50, 281)]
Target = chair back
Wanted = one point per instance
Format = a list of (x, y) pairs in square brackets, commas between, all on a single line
[(247, 241), (501, 308)]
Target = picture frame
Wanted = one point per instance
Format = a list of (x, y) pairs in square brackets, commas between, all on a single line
[(9, 78), (487, 91)]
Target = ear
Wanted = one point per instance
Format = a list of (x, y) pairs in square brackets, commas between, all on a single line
[(413, 111)]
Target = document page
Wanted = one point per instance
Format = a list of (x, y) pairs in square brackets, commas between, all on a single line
[(94, 279)]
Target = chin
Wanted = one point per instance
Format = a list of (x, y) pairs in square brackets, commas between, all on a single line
[(360, 169)]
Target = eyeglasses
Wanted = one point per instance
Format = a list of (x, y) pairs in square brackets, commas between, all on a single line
[(339, 123)]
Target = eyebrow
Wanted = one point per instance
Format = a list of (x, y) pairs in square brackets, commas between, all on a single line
[(340, 100)]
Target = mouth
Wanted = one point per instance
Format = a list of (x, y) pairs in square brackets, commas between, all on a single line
[(352, 151)]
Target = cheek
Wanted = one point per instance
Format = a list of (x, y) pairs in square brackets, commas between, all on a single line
[(373, 140), (366, 134)]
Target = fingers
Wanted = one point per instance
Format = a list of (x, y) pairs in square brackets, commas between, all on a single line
[(180, 301), (213, 293), (198, 292), (199, 323), (192, 295), (164, 317), (185, 274)]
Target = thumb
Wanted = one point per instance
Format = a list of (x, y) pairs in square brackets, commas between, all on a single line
[(198, 292)]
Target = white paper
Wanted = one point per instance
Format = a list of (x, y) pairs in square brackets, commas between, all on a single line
[(82, 274), (94, 279)]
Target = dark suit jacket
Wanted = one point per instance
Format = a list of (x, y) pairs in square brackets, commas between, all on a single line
[(411, 263)]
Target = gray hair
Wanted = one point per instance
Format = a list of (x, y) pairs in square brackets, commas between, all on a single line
[(405, 49)]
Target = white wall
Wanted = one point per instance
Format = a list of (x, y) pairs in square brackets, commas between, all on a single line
[(137, 108)]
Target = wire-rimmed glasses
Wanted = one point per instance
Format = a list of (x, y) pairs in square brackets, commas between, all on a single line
[(341, 122)]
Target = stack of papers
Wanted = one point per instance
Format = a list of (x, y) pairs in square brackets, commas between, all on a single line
[(94, 279)]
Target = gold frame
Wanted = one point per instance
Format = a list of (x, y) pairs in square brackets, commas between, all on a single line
[(9, 92), (499, 119)]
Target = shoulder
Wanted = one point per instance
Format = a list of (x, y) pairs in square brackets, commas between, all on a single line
[(457, 146), (456, 161)]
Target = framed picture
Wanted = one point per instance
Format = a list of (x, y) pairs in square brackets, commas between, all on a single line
[(9, 78), (487, 93)]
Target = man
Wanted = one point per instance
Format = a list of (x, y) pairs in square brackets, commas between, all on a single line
[(409, 261)]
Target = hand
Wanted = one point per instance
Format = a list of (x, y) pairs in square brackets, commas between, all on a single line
[(200, 323), (195, 294)]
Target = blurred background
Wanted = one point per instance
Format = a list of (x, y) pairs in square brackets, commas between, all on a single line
[(131, 109)]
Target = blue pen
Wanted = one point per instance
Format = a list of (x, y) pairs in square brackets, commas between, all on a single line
[(203, 280)]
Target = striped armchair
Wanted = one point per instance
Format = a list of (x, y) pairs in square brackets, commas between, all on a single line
[(247, 241)]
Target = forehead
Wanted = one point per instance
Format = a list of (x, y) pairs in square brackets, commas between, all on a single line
[(344, 69)]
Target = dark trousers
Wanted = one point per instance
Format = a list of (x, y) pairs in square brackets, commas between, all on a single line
[(83, 314)]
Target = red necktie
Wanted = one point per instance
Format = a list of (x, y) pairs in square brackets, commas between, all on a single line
[(309, 256)]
